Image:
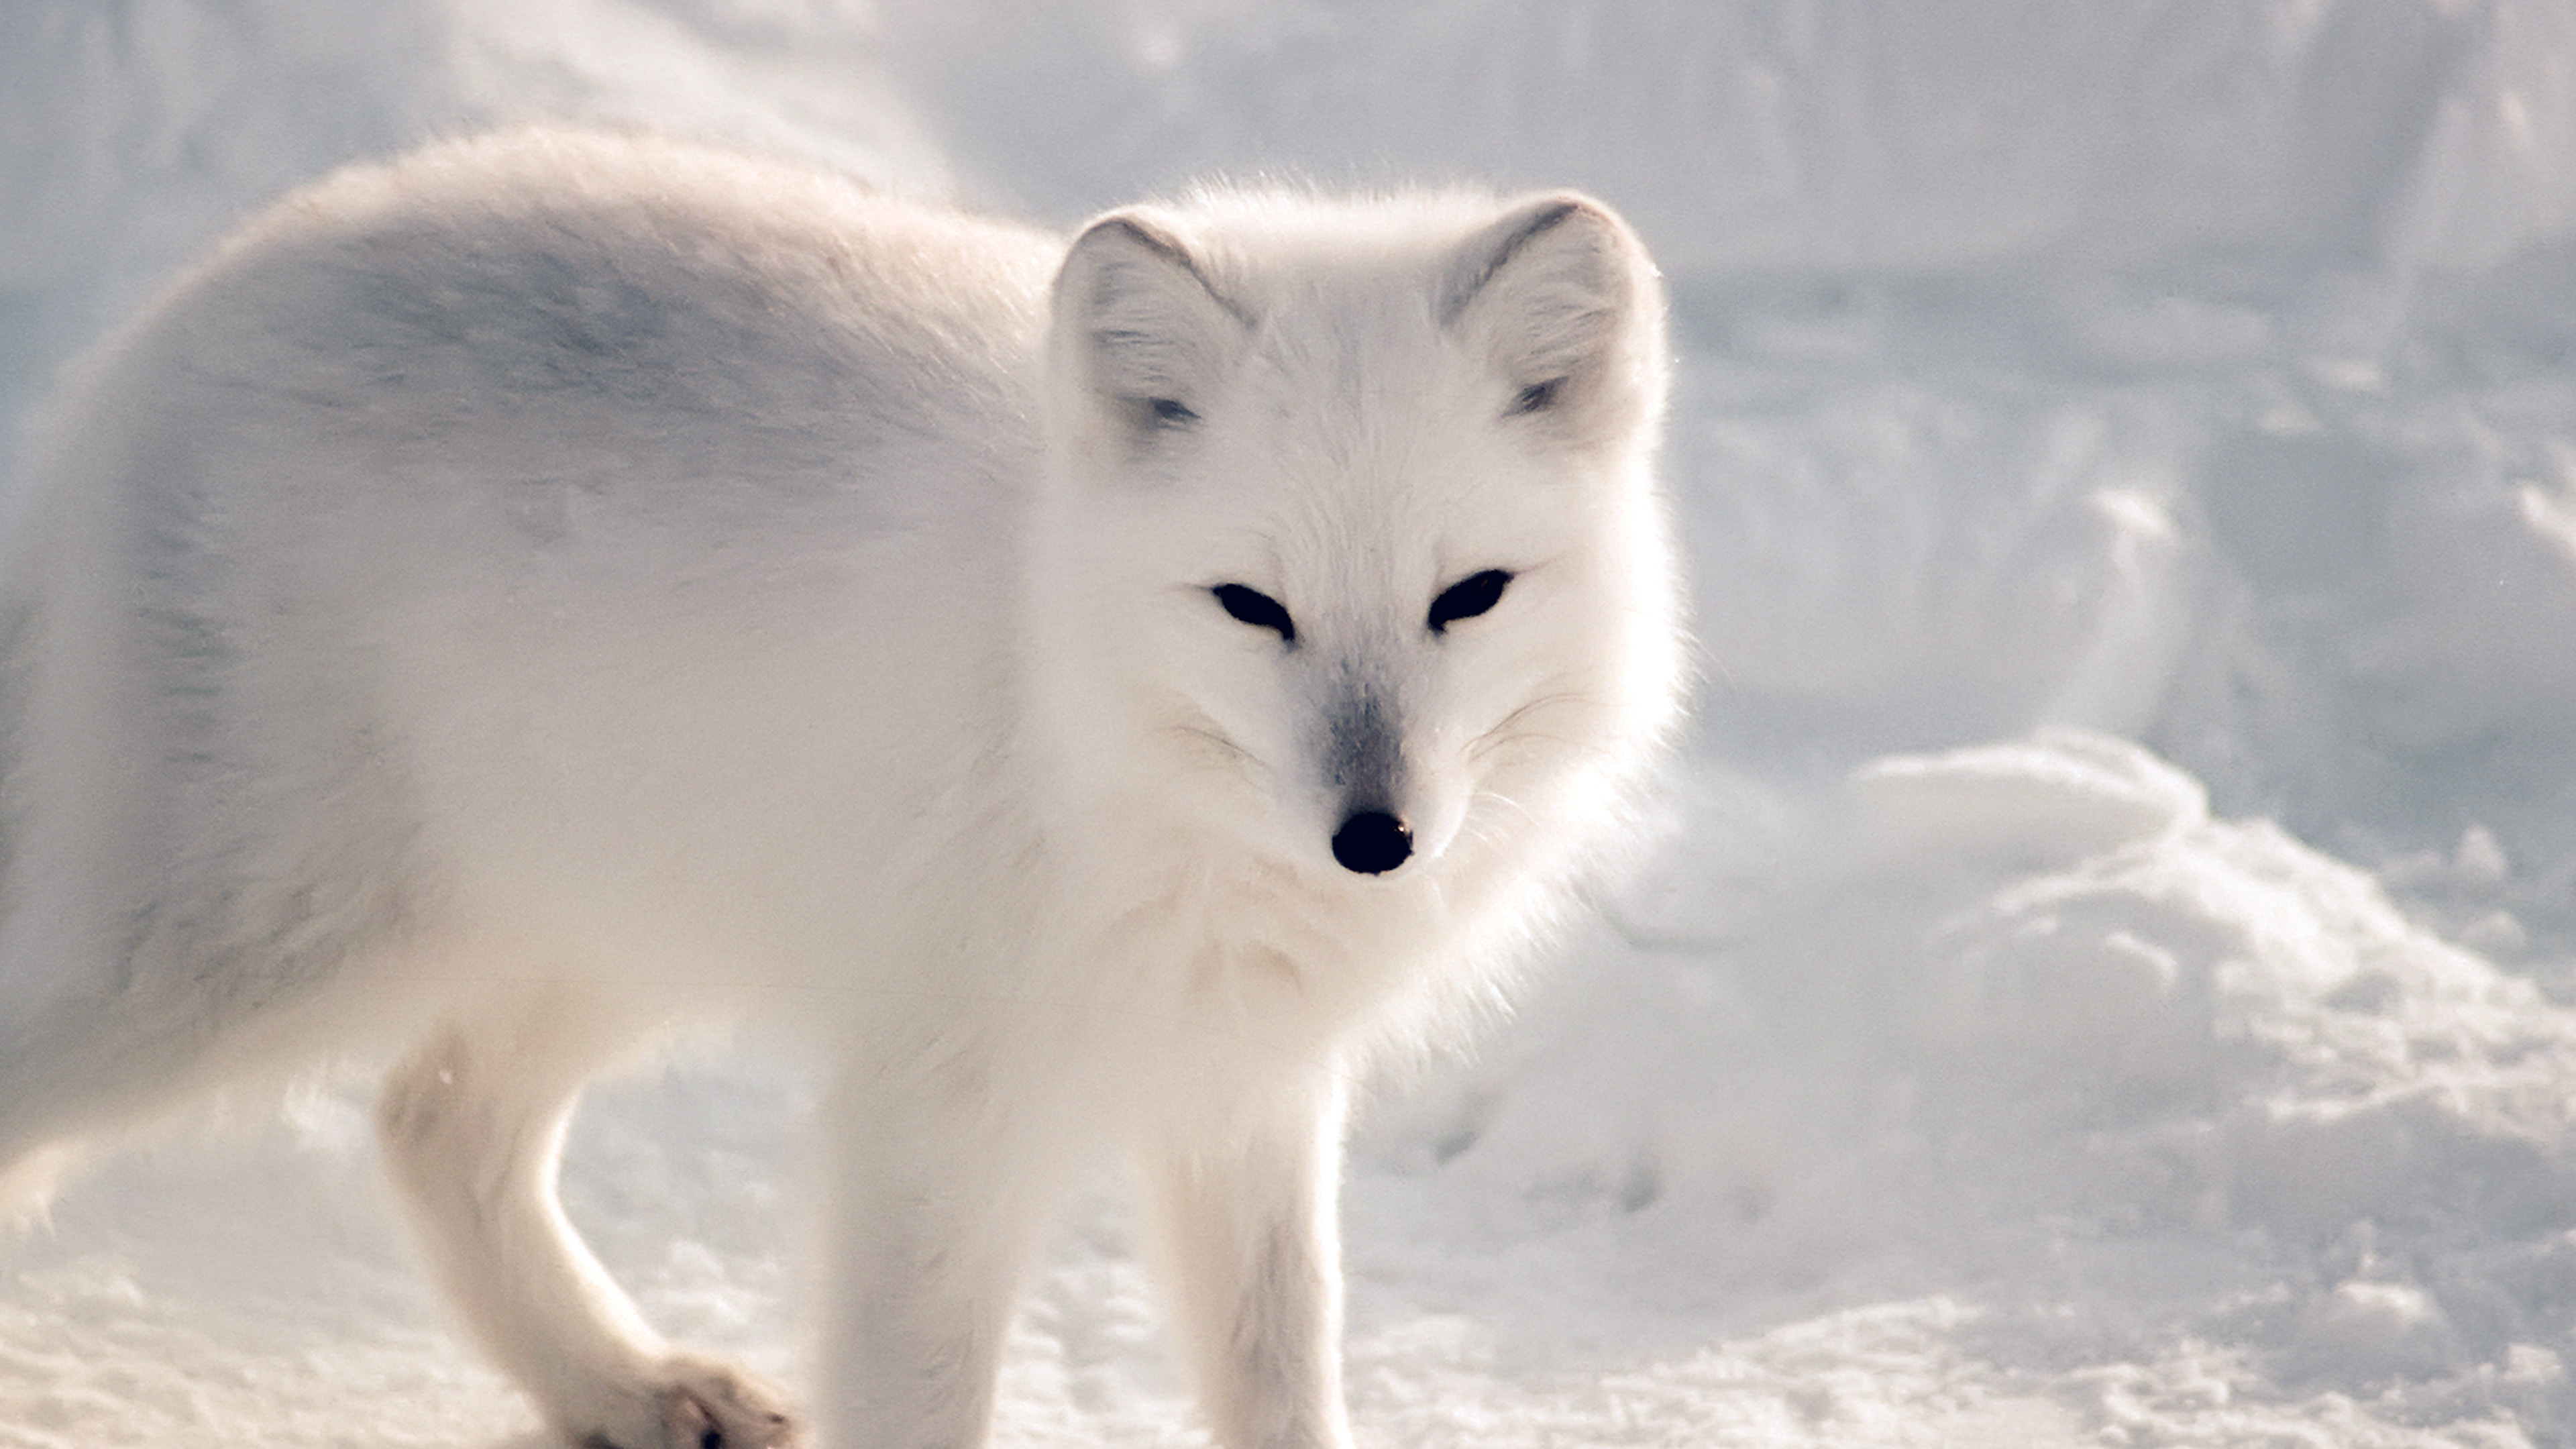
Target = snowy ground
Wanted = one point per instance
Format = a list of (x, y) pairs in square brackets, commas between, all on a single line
[(2106, 979)]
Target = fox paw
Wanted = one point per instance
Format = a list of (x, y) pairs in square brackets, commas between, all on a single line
[(695, 1403)]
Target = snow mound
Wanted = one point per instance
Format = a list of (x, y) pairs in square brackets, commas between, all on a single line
[(2128, 1086), (2063, 793)]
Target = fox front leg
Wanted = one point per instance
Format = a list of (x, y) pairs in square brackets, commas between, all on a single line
[(938, 1200), (472, 1126), (1244, 1213)]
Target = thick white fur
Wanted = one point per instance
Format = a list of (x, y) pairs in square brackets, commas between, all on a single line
[(556, 586)]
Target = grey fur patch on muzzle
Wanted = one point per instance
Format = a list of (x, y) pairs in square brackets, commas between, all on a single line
[(1364, 764)]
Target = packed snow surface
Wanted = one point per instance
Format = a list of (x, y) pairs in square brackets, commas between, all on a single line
[(2103, 977)]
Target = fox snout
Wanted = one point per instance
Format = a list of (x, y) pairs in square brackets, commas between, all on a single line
[(1364, 765)]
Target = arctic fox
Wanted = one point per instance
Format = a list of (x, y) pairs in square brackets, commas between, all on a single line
[(515, 599)]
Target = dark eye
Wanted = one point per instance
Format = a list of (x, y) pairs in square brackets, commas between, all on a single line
[(1467, 598), (1169, 412), (1538, 397), (1251, 606)]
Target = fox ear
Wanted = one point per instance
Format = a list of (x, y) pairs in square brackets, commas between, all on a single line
[(1139, 328), (1560, 295)]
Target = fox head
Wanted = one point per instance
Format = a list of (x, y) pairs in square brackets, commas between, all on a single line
[(1350, 551)]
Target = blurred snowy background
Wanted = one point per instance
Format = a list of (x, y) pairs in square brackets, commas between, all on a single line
[(2110, 976)]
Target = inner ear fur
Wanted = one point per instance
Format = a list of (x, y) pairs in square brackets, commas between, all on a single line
[(1137, 318), (1557, 291)]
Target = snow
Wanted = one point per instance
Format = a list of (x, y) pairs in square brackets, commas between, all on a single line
[(2105, 977)]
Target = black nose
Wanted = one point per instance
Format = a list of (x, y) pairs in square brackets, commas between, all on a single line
[(1372, 843)]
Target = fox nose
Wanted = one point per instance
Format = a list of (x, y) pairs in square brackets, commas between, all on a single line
[(1372, 842)]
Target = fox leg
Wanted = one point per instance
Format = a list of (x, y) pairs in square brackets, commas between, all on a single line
[(473, 1127), (941, 1190), (1244, 1218)]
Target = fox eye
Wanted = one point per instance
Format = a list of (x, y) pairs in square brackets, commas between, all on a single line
[(1467, 598), (1538, 397), (1169, 412), (1251, 606)]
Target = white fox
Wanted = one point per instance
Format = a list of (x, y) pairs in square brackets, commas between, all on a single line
[(557, 586)]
